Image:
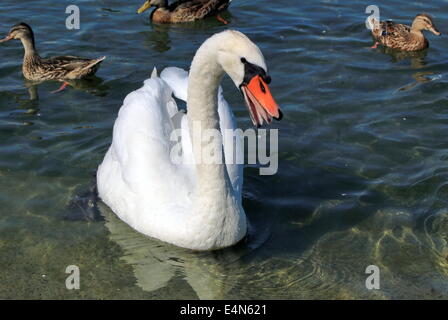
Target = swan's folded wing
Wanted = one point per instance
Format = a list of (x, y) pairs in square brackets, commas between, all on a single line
[(177, 79), (141, 149)]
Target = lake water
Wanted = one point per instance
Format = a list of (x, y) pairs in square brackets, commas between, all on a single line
[(363, 168)]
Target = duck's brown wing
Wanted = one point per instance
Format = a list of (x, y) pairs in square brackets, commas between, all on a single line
[(71, 67), (397, 31), (68, 63), (392, 34), (190, 10)]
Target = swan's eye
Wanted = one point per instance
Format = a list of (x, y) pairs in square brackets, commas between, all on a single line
[(243, 60), (263, 89)]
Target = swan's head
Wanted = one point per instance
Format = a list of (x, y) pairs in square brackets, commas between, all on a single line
[(243, 61)]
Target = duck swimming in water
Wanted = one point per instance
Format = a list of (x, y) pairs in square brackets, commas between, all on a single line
[(184, 10), (403, 37), (61, 68)]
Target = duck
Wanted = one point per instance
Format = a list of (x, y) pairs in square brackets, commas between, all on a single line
[(155, 176), (184, 10), (59, 68), (403, 37)]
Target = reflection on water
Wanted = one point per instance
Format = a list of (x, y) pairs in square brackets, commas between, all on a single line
[(362, 171), (158, 39), (417, 58), (417, 61), (388, 240), (91, 85), (32, 89), (155, 263)]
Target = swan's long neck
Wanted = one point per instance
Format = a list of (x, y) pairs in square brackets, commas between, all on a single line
[(215, 207), (205, 77)]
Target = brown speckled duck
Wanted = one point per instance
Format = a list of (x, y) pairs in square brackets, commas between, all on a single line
[(36, 68), (403, 37), (184, 10)]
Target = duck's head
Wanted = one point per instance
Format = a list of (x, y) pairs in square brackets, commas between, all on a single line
[(20, 31), (424, 21), (152, 3), (243, 61)]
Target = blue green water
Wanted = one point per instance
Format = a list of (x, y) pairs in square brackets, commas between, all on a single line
[(363, 168)]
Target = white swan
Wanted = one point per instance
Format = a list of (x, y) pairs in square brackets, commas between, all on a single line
[(194, 206)]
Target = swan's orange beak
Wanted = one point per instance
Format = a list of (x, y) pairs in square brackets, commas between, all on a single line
[(261, 103)]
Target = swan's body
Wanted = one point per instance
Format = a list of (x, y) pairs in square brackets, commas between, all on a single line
[(137, 179), (192, 205)]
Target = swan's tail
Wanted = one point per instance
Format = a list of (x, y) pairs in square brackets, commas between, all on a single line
[(177, 79), (154, 73)]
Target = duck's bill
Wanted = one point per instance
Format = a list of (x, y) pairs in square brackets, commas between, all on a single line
[(435, 31), (262, 106), (6, 39), (144, 7)]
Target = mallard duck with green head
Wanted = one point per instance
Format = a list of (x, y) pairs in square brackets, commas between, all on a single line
[(184, 10), (60, 68), (401, 36)]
